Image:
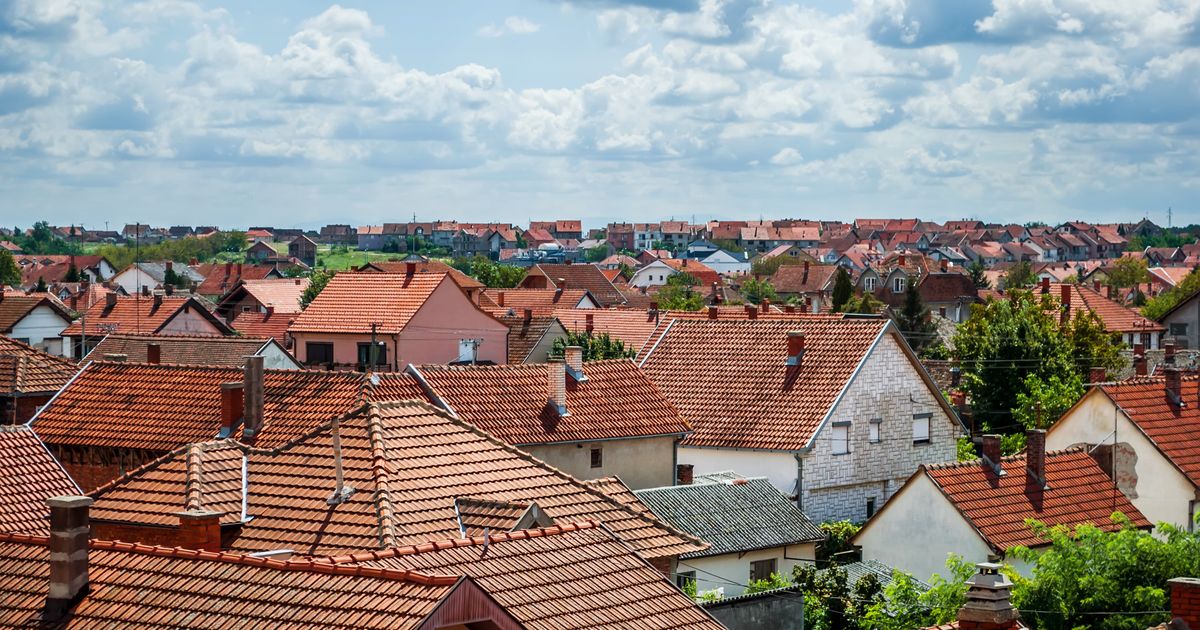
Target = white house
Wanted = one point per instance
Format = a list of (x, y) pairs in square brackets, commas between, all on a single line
[(836, 412), (656, 273), (726, 263), (978, 509), (152, 275), (752, 530), (37, 319)]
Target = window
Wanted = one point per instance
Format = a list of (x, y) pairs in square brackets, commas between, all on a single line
[(318, 352), (869, 283), (762, 569), (898, 284), (683, 578), (921, 428), (597, 457), (873, 430), (841, 438), (870, 507), (1179, 330), (364, 353)]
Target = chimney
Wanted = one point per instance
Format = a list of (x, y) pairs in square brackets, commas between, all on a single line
[(560, 283), (1139, 364), (410, 268), (252, 398), (901, 260), (199, 529), (653, 312), (194, 261), (1109, 292), (270, 312), (1169, 353), (146, 290), (1174, 385), (499, 298), (765, 305), (116, 358), (988, 606), (1185, 602), (69, 532), (170, 266), (959, 399), (955, 376), (153, 353), (684, 263), (804, 279), (795, 348), (573, 356), (1035, 457), (556, 386), (1097, 375), (298, 281), (110, 299), (1065, 315), (1096, 286), (527, 315), (169, 289), (1046, 285), (590, 323), (157, 300), (944, 265), (789, 308), (751, 311), (991, 453), (712, 312), (239, 270), (341, 489), (231, 407), (684, 474)]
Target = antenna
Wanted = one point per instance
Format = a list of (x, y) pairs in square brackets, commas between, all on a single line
[(1169, 212)]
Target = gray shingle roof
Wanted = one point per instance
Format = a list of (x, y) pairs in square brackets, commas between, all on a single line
[(732, 514), (856, 571)]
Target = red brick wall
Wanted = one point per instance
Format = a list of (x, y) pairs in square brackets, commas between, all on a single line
[(1185, 600), (165, 536), (27, 406), (94, 467)]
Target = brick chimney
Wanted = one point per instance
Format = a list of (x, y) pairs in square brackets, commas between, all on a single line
[(1139, 364), (1169, 353), (990, 448), (1046, 285), (270, 311), (410, 268), (228, 269), (712, 312), (684, 474), (110, 299), (1035, 457), (1096, 286), (944, 265), (1185, 602), (900, 261), (1097, 375), (69, 532), (527, 315), (795, 348), (199, 529), (1109, 292), (573, 357), (169, 289), (252, 398), (232, 407), (153, 353), (988, 606), (765, 305), (556, 386), (1174, 384), (789, 308), (499, 298), (589, 323)]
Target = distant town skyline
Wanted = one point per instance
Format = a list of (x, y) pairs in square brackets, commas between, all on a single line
[(305, 114)]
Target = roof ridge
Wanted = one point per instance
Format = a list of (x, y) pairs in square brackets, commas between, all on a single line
[(1006, 458), (190, 337), (194, 468), (470, 541), (384, 509)]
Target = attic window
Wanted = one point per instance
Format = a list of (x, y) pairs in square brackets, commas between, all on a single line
[(898, 284), (921, 428), (869, 283), (597, 457)]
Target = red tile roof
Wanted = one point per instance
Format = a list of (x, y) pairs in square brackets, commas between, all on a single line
[(408, 464), (181, 349), (731, 380), (31, 475), (1174, 430), (283, 294), (138, 314), (581, 276), (27, 370), (632, 327), (427, 266), (263, 325), (509, 401), (221, 278), (703, 274), (1116, 318), (15, 306), (538, 299), (352, 302), (576, 575), (1078, 491), (797, 279)]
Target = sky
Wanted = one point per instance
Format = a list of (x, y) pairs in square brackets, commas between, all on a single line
[(299, 113)]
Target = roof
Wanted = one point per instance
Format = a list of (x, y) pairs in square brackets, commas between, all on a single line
[(1077, 491), (947, 287), (133, 585), (509, 401), (221, 278), (703, 274), (733, 516), (423, 266), (732, 381), (161, 407), (630, 326), (138, 314), (803, 278), (538, 299), (1171, 276), (524, 334), (408, 462), (575, 575), (262, 325), (1174, 430), (581, 276), (352, 302), (15, 306), (181, 349), (31, 475), (1116, 318), (856, 571), (282, 294), (27, 370)]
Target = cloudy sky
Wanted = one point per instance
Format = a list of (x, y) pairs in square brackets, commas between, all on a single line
[(291, 112)]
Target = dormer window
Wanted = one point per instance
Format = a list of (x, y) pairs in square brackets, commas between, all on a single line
[(898, 285), (869, 283)]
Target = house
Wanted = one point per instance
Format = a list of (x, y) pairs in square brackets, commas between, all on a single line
[(1183, 322), (260, 251), (264, 325), (603, 418), (31, 475), (272, 295), (620, 237), (142, 276), (56, 268), (186, 350), (1146, 429), (1117, 319), (304, 249), (29, 378), (752, 529), (414, 263), (572, 276), (142, 315), (948, 294), (657, 272), (338, 234), (631, 327), (531, 338), (220, 278), (36, 319), (513, 300), (370, 237), (726, 263), (811, 283), (412, 318), (979, 509), (836, 412)]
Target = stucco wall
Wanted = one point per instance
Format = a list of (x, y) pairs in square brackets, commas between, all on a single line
[(41, 328), (640, 463), (737, 570), (779, 468), (654, 274), (1162, 492), (1188, 314), (276, 358), (188, 323)]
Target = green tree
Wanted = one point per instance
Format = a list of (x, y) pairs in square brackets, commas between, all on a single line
[(10, 273), (914, 321), (755, 291), (42, 240), (1019, 275), (316, 284), (1127, 272), (1158, 305), (595, 254), (72, 274), (843, 289), (595, 347), (491, 274), (1044, 399), (41, 285), (678, 294), (768, 266), (865, 304), (978, 275), (837, 540)]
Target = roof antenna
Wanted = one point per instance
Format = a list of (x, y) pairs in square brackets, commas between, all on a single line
[(341, 490)]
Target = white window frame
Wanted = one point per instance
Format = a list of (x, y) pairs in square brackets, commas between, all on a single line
[(840, 434), (874, 430), (899, 284), (869, 283), (922, 423)]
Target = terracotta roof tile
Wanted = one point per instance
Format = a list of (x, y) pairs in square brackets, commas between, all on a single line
[(630, 326), (509, 401), (1116, 318), (732, 381), (218, 279), (137, 314), (581, 276), (262, 325), (704, 274), (428, 266), (541, 300), (1175, 430), (15, 306), (27, 370), (182, 349), (1078, 491), (31, 475), (796, 279), (477, 516), (351, 302), (283, 294)]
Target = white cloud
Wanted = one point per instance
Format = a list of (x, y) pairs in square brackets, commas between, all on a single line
[(512, 25)]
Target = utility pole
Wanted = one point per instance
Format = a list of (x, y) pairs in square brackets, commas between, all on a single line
[(1169, 216)]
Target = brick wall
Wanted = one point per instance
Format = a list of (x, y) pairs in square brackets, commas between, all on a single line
[(92, 467), (127, 532), (27, 406), (1185, 601)]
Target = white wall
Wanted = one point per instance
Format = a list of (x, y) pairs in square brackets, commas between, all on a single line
[(1162, 492), (778, 467), (132, 279), (653, 274), (640, 463), (734, 569), (41, 328), (276, 358)]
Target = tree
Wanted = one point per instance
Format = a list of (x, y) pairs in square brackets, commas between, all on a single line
[(1127, 272), (10, 273), (1019, 275), (837, 539), (72, 274), (677, 294), (595, 347), (316, 284), (768, 266), (843, 289), (755, 291), (41, 286), (978, 275), (904, 606), (913, 320), (491, 274), (1044, 399), (865, 304), (595, 254), (1158, 305)]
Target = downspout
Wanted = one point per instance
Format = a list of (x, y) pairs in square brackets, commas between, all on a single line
[(675, 461), (395, 352), (799, 481)]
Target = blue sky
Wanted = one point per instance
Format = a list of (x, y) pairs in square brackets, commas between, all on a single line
[(306, 113)]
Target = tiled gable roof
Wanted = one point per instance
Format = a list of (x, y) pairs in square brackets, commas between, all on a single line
[(703, 274), (524, 334), (733, 516), (947, 287), (577, 575), (138, 314), (537, 299), (631, 327), (1175, 430), (407, 463), (509, 401), (581, 276), (424, 266), (1116, 318), (15, 306), (732, 381), (27, 370), (31, 475), (221, 278), (352, 302), (803, 278), (181, 349), (1077, 491), (263, 325), (283, 294)]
